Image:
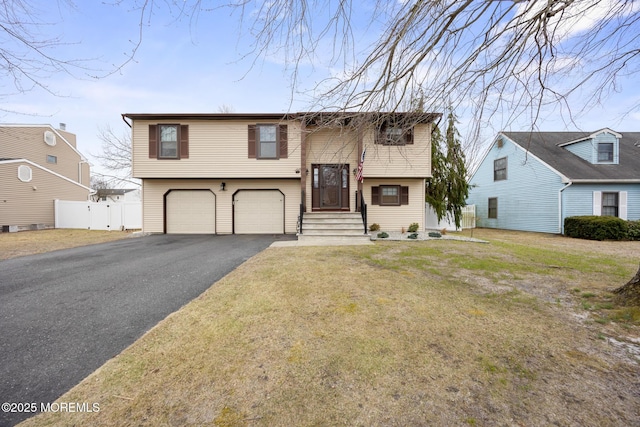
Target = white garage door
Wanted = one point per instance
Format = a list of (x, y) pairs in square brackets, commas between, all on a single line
[(191, 212), (258, 212)]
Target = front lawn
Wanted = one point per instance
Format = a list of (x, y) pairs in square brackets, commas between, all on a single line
[(398, 333)]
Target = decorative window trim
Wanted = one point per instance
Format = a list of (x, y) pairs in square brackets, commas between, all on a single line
[(500, 169), (25, 174)]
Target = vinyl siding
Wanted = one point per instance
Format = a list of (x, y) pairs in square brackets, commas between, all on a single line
[(404, 161), (394, 218), (527, 200), (582, 149), (588, 149), (21, 204), (578, 199), (154, 190), (217, 149), (21, 142)]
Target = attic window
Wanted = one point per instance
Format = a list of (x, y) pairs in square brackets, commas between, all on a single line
[(605, 152), (49, 138), (24, 173)]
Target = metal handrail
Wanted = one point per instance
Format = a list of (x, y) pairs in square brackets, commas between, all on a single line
[(300, 217), (363, 211)]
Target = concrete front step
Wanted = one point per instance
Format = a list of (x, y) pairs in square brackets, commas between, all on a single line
[(333, 224), (360, 238), (333, 232)]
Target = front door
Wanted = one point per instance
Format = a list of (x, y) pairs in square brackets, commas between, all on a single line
[(330, 187)]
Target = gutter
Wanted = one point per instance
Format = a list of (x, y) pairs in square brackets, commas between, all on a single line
[(560, 222)]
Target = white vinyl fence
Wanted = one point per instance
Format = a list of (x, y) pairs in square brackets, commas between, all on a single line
[(468, 219), (98, 215)]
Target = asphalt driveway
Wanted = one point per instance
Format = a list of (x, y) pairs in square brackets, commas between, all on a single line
[(64, 313)]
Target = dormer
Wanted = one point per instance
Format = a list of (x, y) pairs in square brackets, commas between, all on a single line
[(599, 148)]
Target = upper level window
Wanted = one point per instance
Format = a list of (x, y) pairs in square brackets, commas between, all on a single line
[(605, 152), (267, 141), (394, 135), (500, 169), (610, 204), (52, 159), (168, 141)]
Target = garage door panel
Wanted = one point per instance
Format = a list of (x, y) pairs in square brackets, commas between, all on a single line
[(259, 212), (191, 212)]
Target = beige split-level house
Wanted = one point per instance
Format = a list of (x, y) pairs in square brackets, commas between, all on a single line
[(38, 164), (260, 173)]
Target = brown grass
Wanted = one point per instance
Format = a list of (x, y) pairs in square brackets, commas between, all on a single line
[(13, 245), (399, 333)]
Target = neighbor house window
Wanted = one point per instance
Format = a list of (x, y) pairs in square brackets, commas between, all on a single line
[(267, 141), (493, 207), (500, 169), (610, 204), (605, 152), (52, 159), (168, 141)]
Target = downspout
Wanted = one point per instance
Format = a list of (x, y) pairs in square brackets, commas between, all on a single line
[(560, 222)]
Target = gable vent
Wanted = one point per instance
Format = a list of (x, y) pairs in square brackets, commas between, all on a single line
[(500, 143), (49, 138)]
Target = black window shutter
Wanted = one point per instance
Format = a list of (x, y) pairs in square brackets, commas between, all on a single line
[(404, 195), (184, 141), (375, 198), (153, 141), (284, 145), (252, 141)]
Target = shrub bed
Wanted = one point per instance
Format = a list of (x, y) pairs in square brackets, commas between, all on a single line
[(601, 228)]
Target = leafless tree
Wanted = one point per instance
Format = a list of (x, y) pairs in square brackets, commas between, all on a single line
[(115, 156), (30, 51), (487, 57)]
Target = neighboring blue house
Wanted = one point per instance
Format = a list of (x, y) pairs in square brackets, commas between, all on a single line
[(531, 181)]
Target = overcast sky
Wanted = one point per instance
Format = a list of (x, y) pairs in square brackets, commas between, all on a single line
[(189, 67)]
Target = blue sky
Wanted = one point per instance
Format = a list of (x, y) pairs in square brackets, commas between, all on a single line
[(184, 66)]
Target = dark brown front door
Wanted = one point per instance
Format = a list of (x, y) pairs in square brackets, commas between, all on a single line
[(330, 187)]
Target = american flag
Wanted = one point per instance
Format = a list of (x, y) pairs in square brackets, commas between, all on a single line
[(359, 176)]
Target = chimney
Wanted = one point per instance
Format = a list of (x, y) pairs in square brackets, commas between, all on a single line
[(63, 126)]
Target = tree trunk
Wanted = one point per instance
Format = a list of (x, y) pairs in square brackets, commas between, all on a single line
[(629, 294)]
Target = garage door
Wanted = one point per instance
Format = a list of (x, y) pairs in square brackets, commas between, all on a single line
[(191, 212), (258, 212)]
